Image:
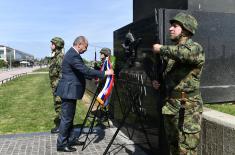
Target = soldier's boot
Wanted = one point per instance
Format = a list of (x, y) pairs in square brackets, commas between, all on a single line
[(56, 128), (57, 106)]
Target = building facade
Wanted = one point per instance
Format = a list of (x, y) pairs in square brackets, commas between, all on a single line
[(9, 54)]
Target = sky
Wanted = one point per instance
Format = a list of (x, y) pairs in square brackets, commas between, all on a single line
[(29, 25)]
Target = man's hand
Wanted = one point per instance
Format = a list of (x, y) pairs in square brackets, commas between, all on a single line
[(156, 84), (156, 48), (109, 72)]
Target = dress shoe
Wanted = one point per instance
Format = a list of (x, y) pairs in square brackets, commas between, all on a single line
[(55, 130), (66, 149), (76, 142)]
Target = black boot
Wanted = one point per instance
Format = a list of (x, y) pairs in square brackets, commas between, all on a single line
[(56, 128)]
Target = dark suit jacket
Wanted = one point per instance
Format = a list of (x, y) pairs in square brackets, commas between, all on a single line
[(72, 83)]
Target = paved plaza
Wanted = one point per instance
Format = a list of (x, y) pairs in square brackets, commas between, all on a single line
[(45, 144)]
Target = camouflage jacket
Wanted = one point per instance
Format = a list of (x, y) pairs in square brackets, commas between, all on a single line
[(182, 74), (55, 66), (99, 64)]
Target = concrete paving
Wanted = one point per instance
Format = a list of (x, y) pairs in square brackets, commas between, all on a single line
[(45, 144)]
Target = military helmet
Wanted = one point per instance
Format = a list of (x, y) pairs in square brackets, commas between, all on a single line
[(59, 42), (105, 51), (187, 21)]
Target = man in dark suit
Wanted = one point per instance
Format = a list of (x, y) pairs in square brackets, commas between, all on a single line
[(70, 88)]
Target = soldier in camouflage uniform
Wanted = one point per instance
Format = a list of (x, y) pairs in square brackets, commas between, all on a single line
[(57, 45), (183, 103), (104, 53)]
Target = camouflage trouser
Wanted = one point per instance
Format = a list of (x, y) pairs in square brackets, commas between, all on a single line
[(57, 107), (185, 141)]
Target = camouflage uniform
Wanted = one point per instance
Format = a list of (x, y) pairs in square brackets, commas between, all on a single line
[(107, 110), (182, 74), (106, 52), (55, 74)]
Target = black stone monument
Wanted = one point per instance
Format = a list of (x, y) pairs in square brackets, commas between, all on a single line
[(137, 66)]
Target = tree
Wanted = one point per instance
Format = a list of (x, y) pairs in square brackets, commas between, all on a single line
[(3, 64)]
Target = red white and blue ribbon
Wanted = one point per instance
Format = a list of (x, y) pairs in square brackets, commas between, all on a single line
[(104, 95)]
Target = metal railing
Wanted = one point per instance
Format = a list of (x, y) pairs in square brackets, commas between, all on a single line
[(11, 78)]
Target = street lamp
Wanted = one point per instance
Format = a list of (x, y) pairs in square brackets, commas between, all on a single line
[(10, 59), (26, 61)]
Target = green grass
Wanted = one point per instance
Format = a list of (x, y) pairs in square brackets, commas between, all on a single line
[(228, 108), (42, 70), (26, 105)]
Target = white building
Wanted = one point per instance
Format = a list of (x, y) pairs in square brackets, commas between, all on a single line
[(9, 54)]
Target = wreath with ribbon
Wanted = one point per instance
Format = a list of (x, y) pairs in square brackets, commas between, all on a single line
[(104, 95)]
